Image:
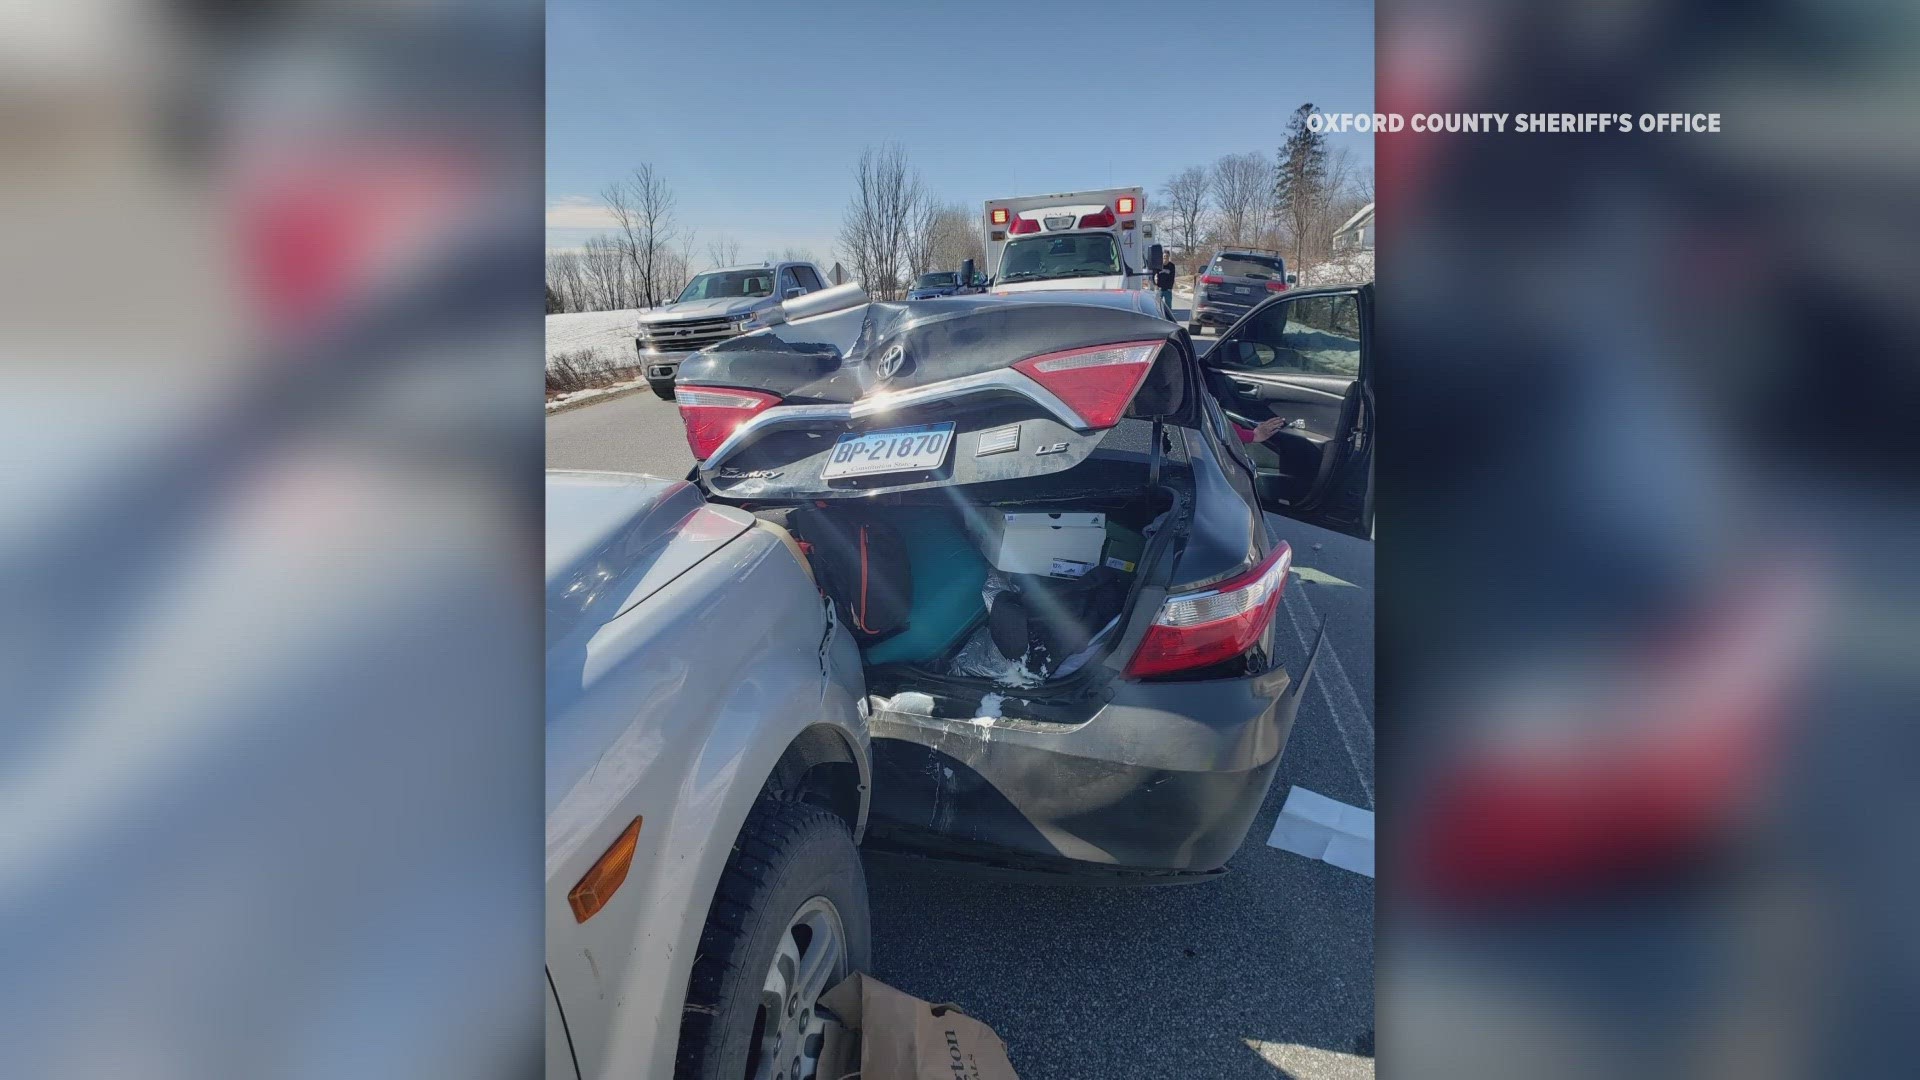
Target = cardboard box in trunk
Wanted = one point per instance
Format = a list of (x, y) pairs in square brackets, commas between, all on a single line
[(890, 1035), (1038, 542)]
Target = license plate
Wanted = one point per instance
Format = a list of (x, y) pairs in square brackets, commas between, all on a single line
[(1242, 290), (895, 450)]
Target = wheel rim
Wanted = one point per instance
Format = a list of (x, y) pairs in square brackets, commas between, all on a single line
[(789, 1029)]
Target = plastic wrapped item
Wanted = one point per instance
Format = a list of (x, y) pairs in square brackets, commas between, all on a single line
[(979, 658), (1079, 660)]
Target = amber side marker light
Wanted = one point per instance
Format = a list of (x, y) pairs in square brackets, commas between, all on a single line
[(605, 876)]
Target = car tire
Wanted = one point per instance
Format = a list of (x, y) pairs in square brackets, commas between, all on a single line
[(790, 859), (662, 390)]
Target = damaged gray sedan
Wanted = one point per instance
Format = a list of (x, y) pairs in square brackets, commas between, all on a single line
[(1046, 535)]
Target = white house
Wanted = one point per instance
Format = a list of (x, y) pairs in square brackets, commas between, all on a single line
[(1357, 233)]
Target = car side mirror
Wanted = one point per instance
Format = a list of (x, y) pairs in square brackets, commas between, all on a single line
[(793, 292), (1293, 279), (966, 271), (1156, 258)]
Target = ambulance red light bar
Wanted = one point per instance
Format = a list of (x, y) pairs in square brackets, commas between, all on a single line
[(1024, 225)]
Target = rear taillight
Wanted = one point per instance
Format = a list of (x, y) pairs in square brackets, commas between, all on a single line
[(1213, 279), (1199, 629), (711, 414), (1126, 204), (1276, 286), (1099, 219), (1024, 225), (1095, 382)]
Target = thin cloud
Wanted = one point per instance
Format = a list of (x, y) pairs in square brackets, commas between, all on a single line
[(579, 212)]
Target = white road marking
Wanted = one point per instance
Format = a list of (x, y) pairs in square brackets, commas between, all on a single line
[(1317, 827), (1330, 675)]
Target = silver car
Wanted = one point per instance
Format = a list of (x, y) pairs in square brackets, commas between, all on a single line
[(707, 777)]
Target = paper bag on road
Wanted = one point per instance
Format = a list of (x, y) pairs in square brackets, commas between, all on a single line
[(889, 1035)]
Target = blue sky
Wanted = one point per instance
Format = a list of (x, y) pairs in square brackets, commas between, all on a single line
[(757, 112)]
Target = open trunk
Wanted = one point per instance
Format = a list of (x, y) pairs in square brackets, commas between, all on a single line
[(1014, 601), (986, 488)]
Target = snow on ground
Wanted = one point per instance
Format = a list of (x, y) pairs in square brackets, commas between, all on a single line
[(606, 334), (577, 397), (1341, 269)]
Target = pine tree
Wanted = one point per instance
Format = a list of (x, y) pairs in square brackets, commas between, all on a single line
[(1301, 186)]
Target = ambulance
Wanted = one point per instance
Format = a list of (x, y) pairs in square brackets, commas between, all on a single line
[(1071, 240)]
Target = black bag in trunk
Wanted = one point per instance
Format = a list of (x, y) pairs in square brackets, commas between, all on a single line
[(862, 566), (1054, 617)]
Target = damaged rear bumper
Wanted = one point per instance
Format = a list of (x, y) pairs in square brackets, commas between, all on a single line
[(1162, 782)]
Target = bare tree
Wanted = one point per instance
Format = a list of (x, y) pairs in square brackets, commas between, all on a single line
[(956, 239), (1362, 183), (679, 269), (877, 225), (942, 237), (566, 278), (922, 227), (1242, 189), (608, 273), (1186, 196), (723, 251), (643, 210), (1314, 214)]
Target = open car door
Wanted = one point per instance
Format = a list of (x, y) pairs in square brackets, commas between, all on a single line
[(1305, 357)]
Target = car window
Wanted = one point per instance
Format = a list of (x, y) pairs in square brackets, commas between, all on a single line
[(1311, 335), (809, 280), (787, 280), (1252, 266), (1037, 258), (728, 284)]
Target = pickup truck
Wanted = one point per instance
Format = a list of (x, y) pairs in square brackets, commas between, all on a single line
[(715, 306)]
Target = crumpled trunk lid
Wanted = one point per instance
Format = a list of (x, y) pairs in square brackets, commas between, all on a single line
[(886, 347), (937, 365)]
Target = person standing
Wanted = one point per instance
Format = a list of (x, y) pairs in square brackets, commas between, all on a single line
[(1164, 282)]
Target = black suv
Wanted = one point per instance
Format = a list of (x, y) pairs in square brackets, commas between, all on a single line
[(1233, 283)]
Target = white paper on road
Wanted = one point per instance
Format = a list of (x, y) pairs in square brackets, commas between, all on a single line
[(1313, 825)]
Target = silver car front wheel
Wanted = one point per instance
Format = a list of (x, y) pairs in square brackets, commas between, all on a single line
[(788, 922), (812, 957)]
